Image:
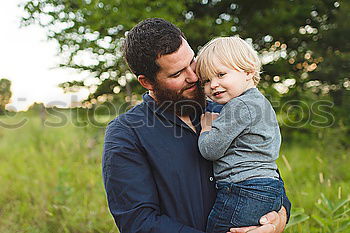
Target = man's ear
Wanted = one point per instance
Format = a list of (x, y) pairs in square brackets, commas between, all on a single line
[(144, 81)]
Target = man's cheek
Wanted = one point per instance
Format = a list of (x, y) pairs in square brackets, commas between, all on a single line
[(193, 66)]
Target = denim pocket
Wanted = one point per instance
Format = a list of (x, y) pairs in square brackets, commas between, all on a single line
[(254, 201)]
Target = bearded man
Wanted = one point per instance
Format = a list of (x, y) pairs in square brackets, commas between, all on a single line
[(155, 178)]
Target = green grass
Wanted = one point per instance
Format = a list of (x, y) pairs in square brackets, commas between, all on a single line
[(309, 172), (51, 179)]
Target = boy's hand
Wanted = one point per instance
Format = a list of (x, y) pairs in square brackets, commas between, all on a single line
[(271, 223), (207, 120)]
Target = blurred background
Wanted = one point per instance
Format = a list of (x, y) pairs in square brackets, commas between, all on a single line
[(62, 79)]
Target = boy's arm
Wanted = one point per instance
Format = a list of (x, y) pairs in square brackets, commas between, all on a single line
[(215, 107), (232, 121)]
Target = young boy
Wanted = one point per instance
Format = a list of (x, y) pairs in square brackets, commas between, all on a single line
[(244, 140)]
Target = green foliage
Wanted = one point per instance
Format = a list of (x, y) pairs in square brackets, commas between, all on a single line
[(94, 29), (303, 43), (297, 216), (334, 216), (5, 94)]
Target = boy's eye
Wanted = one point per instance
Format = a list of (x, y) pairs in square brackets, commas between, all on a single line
[(221, 74)]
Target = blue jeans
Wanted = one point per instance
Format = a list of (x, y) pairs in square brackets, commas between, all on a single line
[(244, 203)]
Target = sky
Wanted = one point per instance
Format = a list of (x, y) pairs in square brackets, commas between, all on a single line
[(30, 62)]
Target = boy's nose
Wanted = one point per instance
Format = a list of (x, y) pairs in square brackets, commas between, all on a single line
[(213, 83)]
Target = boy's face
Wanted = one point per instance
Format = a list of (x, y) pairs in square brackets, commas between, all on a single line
[(227, 84)]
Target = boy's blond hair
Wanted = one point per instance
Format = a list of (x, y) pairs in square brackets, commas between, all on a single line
[(232, 52)]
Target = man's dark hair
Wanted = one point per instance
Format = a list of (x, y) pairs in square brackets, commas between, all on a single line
[(148, 40)]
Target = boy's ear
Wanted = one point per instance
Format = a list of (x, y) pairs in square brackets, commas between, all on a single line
[(250, 75), (144, 81)]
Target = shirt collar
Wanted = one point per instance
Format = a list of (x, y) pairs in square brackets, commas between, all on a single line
[(159, 110)]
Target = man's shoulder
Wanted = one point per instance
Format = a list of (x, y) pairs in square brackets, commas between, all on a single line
[(130, 118)]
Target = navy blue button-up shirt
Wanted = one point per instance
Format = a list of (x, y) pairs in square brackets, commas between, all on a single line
[(155, 178)]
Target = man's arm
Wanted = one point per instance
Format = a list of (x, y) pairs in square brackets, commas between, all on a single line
[(131, 192)]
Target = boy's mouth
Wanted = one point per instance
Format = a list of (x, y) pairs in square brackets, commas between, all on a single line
[(218, 93)]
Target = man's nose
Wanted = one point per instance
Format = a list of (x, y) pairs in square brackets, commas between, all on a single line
[(191, 76)]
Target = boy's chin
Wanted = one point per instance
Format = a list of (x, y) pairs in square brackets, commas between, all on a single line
[(218, 101)]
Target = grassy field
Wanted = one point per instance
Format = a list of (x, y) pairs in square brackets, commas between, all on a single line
[(50, 179)]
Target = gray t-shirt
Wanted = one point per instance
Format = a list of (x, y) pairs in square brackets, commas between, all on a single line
[(245, 139)]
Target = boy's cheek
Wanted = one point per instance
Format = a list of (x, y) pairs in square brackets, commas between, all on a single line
[(207, 90)]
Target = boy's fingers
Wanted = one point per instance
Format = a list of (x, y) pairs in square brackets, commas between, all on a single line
[(215, 115)]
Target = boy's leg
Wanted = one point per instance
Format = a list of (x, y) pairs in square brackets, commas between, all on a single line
[(219, 219)]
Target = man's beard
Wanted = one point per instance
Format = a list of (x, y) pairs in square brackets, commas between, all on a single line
[(177, 103)]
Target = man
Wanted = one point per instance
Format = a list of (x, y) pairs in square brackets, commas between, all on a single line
[(155, 179)]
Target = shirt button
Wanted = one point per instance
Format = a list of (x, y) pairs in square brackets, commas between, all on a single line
[(211, 178)]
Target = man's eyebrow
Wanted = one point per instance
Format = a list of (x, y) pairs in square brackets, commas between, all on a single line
[(173, 74)]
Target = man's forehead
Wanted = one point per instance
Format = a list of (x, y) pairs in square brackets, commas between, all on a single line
[(177, 60)]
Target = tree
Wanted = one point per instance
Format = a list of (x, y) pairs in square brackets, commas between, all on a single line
[(303, 43), (5, 94)]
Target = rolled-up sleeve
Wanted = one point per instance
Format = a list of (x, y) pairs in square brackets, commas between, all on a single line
[(129, 183)]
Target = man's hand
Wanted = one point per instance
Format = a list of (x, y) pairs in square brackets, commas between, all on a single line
[(271, 223), (207, 120)]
